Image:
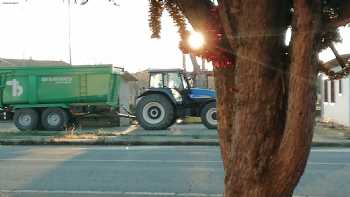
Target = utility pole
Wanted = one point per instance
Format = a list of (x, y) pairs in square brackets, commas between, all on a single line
[(203, 64), (69, 34), (184, 62)]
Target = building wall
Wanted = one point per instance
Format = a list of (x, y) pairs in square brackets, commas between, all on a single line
[(339, 110), (134, 92), (211, 82), (124, 95)]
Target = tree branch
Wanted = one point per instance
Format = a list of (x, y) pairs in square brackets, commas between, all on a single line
[(197, 12), (200, 16), (344, 15), (338, 57)]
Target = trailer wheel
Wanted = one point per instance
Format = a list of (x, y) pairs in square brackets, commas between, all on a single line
[(26, 119), (54, 119), (155, 112), (209, 116)]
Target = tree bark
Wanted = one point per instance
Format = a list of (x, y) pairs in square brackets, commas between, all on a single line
[(293, 152), (260, 98), (224, 82), (266, 131), (266, 135)]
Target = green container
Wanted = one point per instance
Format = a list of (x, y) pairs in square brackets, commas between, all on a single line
[(59, 86)]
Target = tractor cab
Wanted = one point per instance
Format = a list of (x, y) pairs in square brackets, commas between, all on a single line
[(177, 79), (173, 79), (170, 96), (169, 78)]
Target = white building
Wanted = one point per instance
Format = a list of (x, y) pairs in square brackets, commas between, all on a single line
[(335, 98)]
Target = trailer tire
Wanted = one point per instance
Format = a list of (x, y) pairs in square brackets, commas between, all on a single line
[(209, 116), (54, 119), (26, 119), (155, 112)]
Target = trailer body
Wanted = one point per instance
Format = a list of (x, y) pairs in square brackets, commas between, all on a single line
[(72, 89)]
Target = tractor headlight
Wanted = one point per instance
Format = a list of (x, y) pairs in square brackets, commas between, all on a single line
[(177, 95)]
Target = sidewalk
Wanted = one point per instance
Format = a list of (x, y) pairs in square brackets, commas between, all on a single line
[(190, 134), (324, 135)]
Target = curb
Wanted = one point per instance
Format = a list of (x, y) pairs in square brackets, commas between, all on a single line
[(146, 143), (331, 144), (110, 143)]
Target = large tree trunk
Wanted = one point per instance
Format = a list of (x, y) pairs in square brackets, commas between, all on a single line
[(266, 101)]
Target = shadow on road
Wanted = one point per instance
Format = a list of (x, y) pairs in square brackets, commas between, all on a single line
[(121, 169)]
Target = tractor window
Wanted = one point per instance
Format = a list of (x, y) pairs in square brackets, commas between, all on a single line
[(156, 80), (174, 81)]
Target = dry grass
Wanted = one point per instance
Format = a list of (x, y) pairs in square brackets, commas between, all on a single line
[(72, 133), (192, 120)]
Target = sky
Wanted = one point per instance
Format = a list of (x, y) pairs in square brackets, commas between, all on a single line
[(343, 47), (101, 33)]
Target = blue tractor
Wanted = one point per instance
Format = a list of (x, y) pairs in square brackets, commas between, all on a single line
[(170, 97)]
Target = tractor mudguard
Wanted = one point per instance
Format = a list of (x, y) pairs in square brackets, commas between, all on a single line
[(202, 103), (163, 91)]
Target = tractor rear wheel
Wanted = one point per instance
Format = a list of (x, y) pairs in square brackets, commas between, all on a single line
[(209, 116), (155, 112)]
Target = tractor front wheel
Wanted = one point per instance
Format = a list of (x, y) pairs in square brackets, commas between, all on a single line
[(155, 112), (209, 116)]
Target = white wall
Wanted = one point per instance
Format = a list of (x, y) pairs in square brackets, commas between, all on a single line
[(339, 111)]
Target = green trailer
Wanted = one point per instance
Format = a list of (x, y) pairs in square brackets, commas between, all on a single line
[(50, 97)]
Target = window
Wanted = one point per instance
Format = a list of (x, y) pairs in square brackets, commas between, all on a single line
[(325, 88), (340, 86), (156, 80), (174, 81), (332, 92)]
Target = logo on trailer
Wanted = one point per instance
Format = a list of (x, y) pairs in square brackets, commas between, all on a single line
[(17, 89)]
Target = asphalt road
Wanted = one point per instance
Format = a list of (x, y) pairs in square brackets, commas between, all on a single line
[(145, 171)]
